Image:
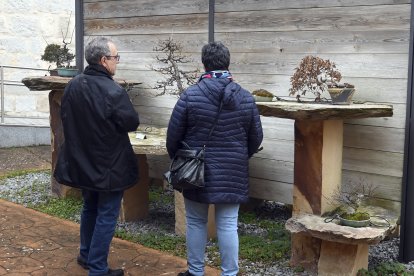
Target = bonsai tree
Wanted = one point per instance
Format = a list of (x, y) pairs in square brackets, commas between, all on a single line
[(313, 74), (172, 59), (61, 56), (349, 204)]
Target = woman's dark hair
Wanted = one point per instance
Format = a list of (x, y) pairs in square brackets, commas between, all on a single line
[(215, 56), (97, 48)]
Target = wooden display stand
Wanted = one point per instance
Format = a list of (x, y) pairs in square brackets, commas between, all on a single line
[(317, 174)]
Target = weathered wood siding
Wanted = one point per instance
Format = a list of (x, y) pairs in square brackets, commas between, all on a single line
[(368, 40)]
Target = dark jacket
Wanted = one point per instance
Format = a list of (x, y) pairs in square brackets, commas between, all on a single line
[(97, 115), (236, 137)]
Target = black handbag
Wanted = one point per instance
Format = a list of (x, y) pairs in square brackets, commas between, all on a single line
[(187, 167)]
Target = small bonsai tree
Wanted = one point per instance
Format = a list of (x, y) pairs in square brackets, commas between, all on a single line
[(60, 55), (313, 74), (172, 59), (262, 93), (349, 201)]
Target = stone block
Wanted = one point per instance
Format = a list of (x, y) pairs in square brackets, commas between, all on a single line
[(342, 259)]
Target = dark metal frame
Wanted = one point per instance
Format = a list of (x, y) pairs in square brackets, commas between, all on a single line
[(407, 196), (79, 34), (211, 11)]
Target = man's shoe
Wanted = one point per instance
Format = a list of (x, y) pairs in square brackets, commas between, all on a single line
[(187, 273), (81, 261), (115, 272)]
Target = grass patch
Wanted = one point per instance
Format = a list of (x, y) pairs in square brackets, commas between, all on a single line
[(172, 244), (22, 172), (273, 244), (158, 195), (248, 217), (255, 248), (66, 208)]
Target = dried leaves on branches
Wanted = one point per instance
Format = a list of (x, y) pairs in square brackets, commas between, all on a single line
[(312, 75), (172, 59)]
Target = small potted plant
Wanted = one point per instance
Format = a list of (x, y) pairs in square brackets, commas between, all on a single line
[(61, 56), (262, 95), (316, 75), (349, 204)]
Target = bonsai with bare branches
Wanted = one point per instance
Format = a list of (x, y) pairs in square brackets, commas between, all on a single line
[(351, 198), (172, 58)]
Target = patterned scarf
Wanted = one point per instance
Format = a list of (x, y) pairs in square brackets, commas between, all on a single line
[(218, 74)]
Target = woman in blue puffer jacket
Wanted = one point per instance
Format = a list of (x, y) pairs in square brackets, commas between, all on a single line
[(236, 137)]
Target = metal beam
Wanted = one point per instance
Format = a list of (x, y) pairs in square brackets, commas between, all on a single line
[(79, 34), (211, 20), (407, 196)]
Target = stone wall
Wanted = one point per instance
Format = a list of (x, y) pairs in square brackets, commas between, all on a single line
[(26, 27)]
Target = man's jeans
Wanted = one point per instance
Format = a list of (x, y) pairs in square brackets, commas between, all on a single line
[(98, 220), (196, 236)]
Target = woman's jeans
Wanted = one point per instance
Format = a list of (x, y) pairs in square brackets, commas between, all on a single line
[(98, 220), (228, 239)]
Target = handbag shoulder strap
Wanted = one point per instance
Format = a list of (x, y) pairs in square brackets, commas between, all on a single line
[(215, 122)]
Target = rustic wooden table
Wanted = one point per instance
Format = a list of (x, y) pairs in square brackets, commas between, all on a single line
[(318, 173)]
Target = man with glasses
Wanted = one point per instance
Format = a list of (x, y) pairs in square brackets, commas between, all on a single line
[(97, 156)]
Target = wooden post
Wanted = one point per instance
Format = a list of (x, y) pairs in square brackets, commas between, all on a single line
[(136, 199), (57, 139), (317, 175), (318, 165)]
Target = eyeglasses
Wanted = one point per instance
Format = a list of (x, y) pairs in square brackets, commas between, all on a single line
[(117, 57)]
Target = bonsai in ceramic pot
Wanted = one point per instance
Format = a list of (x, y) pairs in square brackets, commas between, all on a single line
[(349, 205), (317, 76), (61, 56)]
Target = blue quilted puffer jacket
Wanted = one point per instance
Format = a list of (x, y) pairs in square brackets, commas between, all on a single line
[(236, 137)]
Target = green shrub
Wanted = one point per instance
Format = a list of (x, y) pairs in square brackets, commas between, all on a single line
[(272, 245), (387, 268)]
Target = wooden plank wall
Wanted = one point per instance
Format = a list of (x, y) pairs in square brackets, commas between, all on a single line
[(368, 40)]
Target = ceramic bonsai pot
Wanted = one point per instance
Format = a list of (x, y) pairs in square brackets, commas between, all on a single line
[(341, 95), (67, 72), (355, 220)]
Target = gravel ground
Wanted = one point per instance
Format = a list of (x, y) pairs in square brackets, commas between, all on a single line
[(34, 188)]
